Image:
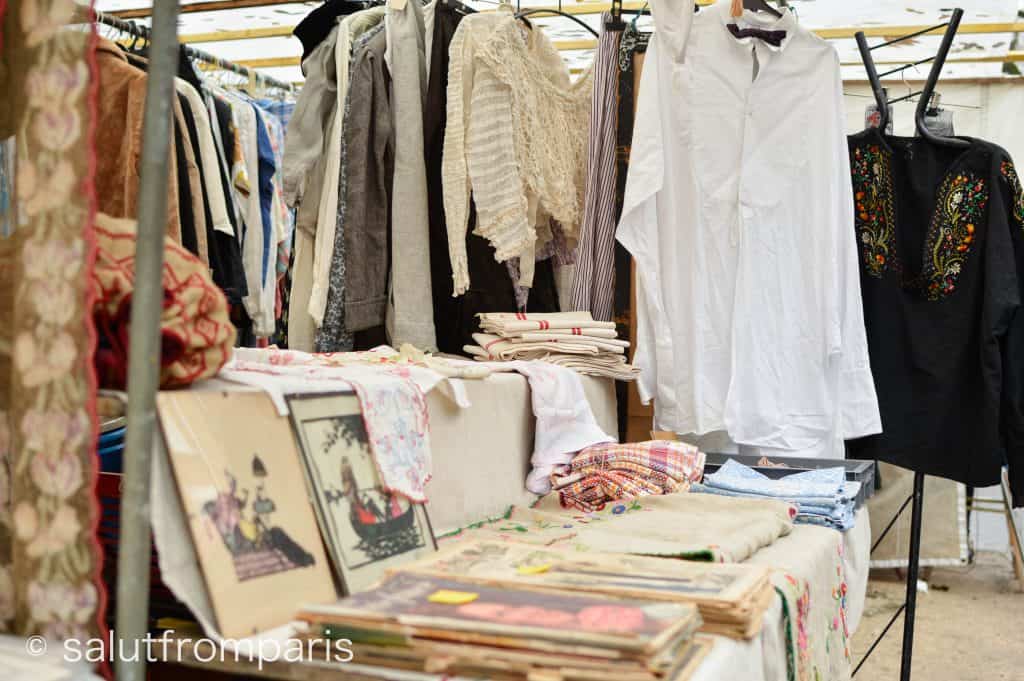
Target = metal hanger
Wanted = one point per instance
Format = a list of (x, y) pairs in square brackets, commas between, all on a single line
[(937, 63), (527, 12)]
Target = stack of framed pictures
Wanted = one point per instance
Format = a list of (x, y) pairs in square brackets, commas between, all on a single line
[(284, 511)]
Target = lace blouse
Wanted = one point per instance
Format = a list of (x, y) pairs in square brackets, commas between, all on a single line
[(515, 140)]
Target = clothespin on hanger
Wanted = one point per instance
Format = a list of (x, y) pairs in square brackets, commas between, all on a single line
[(616, 23), (737, 8)]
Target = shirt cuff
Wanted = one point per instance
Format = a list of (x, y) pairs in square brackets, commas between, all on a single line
[(859, 415)]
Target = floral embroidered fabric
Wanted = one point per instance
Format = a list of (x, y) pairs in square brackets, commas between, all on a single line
[(960, 205), (1009, 173), (49, 559), (962, 201), (876, 218)]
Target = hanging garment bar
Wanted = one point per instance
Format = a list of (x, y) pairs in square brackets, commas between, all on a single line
[(140, 31)]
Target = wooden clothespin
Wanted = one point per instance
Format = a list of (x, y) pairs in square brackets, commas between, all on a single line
[(737, 8)]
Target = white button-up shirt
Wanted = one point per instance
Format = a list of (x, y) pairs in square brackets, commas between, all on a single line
[(739, 213)]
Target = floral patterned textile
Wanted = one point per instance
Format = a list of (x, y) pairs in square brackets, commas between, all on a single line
[(612, 472), (49, 559), (1009, 173), (960, 205), (394, 407), (875, 214), (962, 201), (196, 330)]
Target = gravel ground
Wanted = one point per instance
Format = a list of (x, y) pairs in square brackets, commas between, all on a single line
[(970, 625)]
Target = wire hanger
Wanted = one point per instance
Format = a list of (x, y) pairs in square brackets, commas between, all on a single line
[(527, 12)]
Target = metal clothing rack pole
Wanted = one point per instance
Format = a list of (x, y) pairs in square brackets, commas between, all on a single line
[(134, 550), (142, 31), (916, 499)]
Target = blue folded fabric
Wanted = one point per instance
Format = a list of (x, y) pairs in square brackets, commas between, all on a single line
[(823, 497), (824, 483)]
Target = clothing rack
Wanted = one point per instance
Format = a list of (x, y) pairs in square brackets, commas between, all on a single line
[(916, 498), (144, 32)]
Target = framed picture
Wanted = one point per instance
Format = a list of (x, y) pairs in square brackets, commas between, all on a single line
[(239, 475), (367, 528)]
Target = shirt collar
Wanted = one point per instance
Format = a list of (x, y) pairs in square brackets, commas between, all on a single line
[(760, 20)]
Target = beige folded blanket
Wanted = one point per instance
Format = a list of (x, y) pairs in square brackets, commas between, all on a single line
[(504, 349), (692, 526)]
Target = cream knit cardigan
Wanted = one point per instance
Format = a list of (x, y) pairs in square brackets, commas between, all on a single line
[(516, 139)]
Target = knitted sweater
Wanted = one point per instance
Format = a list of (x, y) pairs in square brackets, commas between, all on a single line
[(516, 139)]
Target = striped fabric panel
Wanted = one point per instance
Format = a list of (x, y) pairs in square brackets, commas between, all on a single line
[(593, 285)]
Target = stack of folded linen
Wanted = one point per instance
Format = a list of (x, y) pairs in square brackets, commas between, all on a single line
[(570, 339), (822, 497), (613, 472)]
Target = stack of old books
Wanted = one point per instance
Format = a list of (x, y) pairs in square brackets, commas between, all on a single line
[(570, 339), (731, 598), (421, 622)]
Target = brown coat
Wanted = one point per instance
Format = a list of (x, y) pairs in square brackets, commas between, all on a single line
[(122, 96)]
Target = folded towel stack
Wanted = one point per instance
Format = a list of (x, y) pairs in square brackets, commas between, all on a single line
[(612, 472), (570, 339), (822, 497)]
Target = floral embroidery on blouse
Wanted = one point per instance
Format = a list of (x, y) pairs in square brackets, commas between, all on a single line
[(1010, 173), (962, 201), (875, 212)]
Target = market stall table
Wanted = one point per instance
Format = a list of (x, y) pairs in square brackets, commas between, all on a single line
[(481, 455)]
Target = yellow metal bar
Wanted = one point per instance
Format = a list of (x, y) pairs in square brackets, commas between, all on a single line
[(585, 8), (259, 63), (897, 31), (245, 34), (1013, 56)]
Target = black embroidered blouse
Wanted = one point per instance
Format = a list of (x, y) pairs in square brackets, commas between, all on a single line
[(941, 239)]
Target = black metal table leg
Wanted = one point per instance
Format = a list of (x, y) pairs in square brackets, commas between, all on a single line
[(912, 574)]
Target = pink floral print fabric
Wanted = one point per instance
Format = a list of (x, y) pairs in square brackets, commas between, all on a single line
[(49, 559)]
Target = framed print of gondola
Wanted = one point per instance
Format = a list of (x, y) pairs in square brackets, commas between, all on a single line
[(368, 529)]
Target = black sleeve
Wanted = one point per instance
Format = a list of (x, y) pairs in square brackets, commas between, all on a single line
[(1007, 214)]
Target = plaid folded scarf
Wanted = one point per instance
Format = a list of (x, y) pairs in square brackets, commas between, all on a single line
[(612, 472)]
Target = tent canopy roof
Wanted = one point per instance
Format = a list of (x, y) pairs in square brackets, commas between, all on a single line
[(250, 21)]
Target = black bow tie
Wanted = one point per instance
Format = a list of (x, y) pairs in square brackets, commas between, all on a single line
[(773, 38)]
